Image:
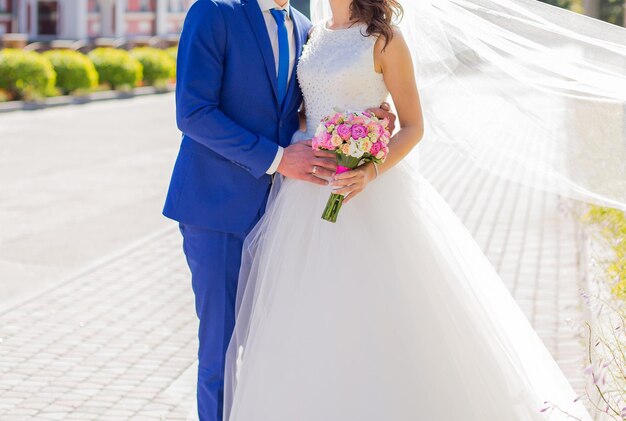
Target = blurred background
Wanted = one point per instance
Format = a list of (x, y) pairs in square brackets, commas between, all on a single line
[(45, 20), (96, 310)]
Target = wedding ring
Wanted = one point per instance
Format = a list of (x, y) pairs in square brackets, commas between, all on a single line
[(314, 169)]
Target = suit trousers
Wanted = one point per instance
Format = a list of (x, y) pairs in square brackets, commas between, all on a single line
[(214, 259)]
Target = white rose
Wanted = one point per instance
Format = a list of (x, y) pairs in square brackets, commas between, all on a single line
[(355, 151)]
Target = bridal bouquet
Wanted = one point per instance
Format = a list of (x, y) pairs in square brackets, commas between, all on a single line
[(356, 139)]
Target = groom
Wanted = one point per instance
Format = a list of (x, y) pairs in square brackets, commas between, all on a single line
[(237, 101)]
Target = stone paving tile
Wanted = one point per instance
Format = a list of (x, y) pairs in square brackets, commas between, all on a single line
[(104, 345)]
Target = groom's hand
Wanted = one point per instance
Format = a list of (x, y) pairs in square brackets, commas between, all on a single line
[(300, 161), (385, 112)]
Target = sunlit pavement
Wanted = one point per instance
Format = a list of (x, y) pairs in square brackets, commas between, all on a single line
[(96, 310), (78, 183)]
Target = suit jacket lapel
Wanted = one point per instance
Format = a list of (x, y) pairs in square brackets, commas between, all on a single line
[(299, 45), (255, 16)]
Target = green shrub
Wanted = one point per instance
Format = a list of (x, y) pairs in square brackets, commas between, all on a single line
[(26, 74), (173, 52), (612, 224), (612, 11), (158, 65), (74, 70), (116, 67), (561, 3), (5, 95)]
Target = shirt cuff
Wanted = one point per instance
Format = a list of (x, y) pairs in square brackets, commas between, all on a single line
[(279, 157)]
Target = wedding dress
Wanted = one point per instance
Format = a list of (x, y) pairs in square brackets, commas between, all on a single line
[(393, 313)]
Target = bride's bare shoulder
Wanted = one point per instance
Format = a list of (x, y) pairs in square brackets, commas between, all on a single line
[(396, 38), (390, 50)]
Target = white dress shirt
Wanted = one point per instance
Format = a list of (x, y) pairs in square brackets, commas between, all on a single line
[(272, 30)]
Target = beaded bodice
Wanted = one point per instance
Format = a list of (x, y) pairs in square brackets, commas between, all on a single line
[(336, 71)]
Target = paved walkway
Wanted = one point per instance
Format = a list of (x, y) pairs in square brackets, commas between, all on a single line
[(78, 183), (106, 344)]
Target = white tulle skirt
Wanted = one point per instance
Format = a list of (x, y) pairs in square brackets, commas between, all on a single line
[(392, 313)]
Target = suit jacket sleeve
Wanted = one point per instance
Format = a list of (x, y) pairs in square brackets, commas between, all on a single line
[(200, 69)]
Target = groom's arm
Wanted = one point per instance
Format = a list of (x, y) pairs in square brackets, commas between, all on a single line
[(200, 67)]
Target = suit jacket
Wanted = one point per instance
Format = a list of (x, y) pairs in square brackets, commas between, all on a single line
[(228, 111)]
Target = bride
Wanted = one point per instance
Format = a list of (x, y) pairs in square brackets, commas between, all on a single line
[(392, 313)]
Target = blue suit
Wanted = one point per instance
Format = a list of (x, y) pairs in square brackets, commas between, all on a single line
[(232, 124)]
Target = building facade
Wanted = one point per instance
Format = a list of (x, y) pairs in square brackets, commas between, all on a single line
[(83, 19)]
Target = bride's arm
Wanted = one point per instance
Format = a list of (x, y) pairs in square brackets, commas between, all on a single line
[(396, 65)]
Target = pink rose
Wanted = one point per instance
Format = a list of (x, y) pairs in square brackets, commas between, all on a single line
[(327, 141), (376, 147), (322, 141), (317, 141), (359, 131), (358, 120), (344, 131), (336, 118)]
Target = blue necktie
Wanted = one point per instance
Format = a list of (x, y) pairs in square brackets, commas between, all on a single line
[(283, 53)]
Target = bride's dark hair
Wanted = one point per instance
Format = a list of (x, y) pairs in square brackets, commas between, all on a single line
[(378, 15)]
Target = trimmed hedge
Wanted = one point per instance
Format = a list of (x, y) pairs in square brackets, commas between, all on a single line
[(74, 70), (173, 52), (117, 67), (30, 75), (158, 66), (26, 74), (612, 224)]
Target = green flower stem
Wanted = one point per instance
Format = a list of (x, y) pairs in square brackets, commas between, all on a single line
[(333, 206)]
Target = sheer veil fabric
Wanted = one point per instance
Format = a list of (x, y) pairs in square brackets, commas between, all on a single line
[(521, 87), (527, 91)]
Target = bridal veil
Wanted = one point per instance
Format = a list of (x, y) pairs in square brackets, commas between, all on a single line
[(567, 129)]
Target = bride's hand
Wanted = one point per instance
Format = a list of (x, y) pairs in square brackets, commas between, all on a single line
[(384, 111), (353, 182)]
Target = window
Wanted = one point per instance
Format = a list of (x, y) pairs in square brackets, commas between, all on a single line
[(93, 6), (47, 17), (141, 5)]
